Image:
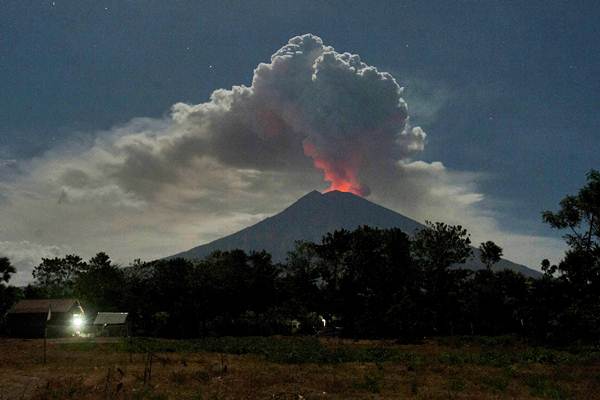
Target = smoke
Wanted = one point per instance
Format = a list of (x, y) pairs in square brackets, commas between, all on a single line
[(341, 173), (309, 100), (311, 118), (309, 106)]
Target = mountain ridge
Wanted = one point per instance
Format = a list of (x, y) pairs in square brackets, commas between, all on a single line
[(312, 216)]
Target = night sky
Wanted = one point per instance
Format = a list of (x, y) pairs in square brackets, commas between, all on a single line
[(506, 91)]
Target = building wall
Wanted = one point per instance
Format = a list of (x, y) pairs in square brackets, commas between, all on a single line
[(30, 325)]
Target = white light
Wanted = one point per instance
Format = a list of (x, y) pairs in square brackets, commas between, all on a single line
[(77, 321)]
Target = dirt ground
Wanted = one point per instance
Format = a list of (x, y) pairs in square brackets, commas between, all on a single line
[(102, 370)]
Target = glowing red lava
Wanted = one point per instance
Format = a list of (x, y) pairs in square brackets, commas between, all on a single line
[(341, 174)]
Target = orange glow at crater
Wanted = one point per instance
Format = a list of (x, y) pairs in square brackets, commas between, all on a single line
[(341, 174)]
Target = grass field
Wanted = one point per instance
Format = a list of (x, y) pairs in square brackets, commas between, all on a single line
[(296, 368)]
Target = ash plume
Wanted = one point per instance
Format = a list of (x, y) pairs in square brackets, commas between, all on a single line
[(309, 100)]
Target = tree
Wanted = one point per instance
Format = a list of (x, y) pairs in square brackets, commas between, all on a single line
[(99, 261), (99, 284), (495, 301), (367, 278), (301, 279), (580, 215), (580, 268), (6, 270), (8, 294), (490, 253), (56, 276), (436, 248), (549, 270)]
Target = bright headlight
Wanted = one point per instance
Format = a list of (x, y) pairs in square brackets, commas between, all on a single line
[(77, 321)]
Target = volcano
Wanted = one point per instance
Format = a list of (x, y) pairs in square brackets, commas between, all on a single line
[(315, 214)]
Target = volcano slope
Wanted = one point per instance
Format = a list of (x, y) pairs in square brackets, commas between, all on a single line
[(315, 214)]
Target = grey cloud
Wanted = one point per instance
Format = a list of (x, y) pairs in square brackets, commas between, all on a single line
[(75, 178), (24, 256)]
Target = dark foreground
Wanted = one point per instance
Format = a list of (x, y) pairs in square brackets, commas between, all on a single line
[(296, 368)]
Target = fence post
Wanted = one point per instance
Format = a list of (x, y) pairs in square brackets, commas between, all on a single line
[(45, 340), (130, 341)]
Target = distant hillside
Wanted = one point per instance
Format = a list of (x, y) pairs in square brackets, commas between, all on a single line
[(312, 216)]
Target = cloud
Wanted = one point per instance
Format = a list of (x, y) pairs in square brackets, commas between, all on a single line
[(426, 99), (430, 191), (153, 187), (24, 256)]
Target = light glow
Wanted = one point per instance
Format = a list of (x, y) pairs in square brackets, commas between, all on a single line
[(77, 321)]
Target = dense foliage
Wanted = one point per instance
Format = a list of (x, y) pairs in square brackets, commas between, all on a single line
[(8, 294), (365, 283)]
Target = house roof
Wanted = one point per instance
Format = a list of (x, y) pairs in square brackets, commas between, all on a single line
[(110, 318), (42, 305)]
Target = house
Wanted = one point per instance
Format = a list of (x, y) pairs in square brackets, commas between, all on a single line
[(111, 324), (29, 318)]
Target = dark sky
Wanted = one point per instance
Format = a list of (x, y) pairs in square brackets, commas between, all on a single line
[(516, 82)]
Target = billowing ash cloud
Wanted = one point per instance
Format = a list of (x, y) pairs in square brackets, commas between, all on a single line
[(308, 101), (153, 187)]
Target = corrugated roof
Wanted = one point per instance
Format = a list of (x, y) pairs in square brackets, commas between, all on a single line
[(110, 318), (41, 306)]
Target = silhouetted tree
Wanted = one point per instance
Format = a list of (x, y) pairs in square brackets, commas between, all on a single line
[(56, 276), (580, 268), (364, 273), (8, 294), (99, 285), (495, 302), (435, 249), (490, 253), (580, 215), (299, 282), (370, 282), (6, 270), (438, 246), (549, 270)]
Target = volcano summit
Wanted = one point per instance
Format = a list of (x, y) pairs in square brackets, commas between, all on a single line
[(315, 214)]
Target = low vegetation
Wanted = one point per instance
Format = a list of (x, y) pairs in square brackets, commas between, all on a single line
[(297, 368)]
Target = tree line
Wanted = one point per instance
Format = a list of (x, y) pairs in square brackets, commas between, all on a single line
[(366, 283)]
